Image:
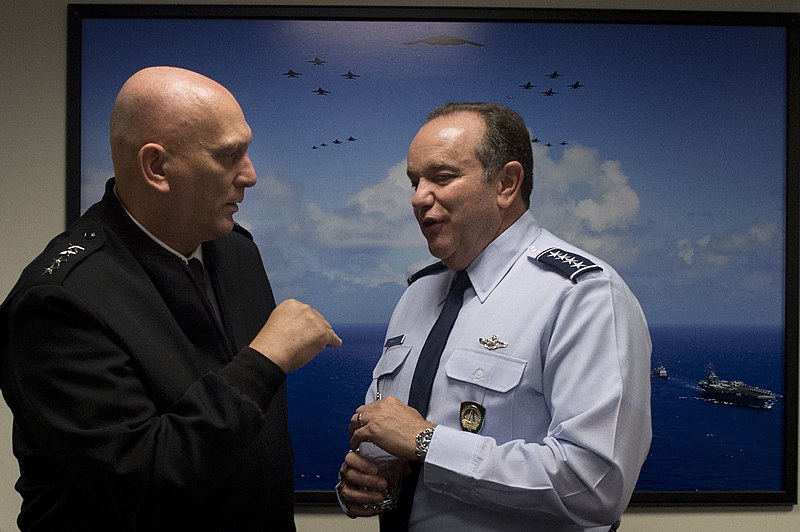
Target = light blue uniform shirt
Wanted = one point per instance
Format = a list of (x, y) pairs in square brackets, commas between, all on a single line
[(567, 401)]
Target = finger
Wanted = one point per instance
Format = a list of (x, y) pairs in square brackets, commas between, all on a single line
[(334, 341), (358, 420), (362, 510), (359, 470), (355, 509), (359, 502)]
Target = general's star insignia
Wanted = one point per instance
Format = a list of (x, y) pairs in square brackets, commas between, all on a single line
[(570, 265), (63, 256)]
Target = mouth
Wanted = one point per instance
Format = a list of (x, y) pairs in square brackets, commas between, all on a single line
[(429, 224)]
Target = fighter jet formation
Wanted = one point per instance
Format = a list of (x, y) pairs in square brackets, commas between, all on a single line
[(318, 62), (322, 91), (336, 141), (550, 92), (555, 74)]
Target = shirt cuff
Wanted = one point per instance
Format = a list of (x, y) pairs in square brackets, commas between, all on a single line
[(452, 453)]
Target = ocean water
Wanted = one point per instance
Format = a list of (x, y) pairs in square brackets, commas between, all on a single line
[(323, 395), (698, 444)]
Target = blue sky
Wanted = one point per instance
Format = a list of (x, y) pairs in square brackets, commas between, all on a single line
[(673, 171)]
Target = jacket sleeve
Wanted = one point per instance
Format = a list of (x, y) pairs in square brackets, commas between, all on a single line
[(79, 398)]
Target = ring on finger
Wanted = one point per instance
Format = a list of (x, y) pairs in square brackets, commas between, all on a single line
[(358, 418)]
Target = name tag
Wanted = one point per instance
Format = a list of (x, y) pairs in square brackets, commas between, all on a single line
[(395, 340)]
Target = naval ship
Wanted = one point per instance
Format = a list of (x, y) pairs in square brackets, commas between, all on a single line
[(734, 392)]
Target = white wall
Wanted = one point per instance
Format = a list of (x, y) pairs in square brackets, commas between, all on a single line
[(33, 39)]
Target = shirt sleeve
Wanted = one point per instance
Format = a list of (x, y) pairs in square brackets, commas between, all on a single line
[(595, 374)]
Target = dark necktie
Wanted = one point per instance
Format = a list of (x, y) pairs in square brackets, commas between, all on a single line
[(419, 396), (420, 393)]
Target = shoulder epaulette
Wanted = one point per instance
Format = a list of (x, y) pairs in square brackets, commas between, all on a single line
[(70, 248), (570, 265), (427, 270)]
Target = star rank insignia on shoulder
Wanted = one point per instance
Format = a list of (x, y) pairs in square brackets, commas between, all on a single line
[(62, 257), (570, 265)]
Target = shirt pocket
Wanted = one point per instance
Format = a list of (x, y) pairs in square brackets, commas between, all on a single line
[(489, 379), (386, 371), (494, 372)]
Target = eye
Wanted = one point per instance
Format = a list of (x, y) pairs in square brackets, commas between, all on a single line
[(443, 178)]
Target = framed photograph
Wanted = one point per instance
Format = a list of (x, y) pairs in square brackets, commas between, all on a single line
[(665, 142)]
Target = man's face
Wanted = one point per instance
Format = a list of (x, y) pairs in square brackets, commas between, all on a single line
[(455, 207), (210, 169)]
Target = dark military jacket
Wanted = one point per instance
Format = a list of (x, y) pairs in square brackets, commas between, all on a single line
[(135, 406)]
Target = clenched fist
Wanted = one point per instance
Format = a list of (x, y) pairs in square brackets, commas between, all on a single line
[(293, 335)]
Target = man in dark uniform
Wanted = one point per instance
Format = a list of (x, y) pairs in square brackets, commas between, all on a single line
[(145, 395)]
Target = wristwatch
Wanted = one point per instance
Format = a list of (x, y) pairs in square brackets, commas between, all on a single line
[(423, 441)]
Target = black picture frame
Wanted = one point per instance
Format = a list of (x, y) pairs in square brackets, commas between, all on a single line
[(80, 104)]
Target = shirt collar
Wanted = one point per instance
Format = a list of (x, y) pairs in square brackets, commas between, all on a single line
[(197, 253), (494, 262)]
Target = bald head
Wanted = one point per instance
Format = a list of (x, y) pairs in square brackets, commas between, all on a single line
[(179, 145), (162, 105)]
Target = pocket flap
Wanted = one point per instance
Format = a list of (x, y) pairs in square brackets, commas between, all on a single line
[(496, 372), (391, 359)]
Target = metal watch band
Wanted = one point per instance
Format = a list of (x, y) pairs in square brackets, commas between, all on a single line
[(423, 441)]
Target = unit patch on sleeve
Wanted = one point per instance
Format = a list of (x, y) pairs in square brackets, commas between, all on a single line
[(570, 265)]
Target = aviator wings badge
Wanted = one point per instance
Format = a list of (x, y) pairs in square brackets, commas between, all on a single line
[(492, 343)]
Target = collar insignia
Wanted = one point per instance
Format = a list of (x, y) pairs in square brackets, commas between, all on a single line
[(471, 416), (63, 256), (492, 343)]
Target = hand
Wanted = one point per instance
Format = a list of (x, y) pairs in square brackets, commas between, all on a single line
[(360, 489), (293, 335), (390, 424)]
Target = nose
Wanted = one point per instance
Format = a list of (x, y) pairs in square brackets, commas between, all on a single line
[(246, 177), (423, 196)]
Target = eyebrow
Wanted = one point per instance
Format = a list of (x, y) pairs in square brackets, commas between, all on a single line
[(230, 147), (435, 168)]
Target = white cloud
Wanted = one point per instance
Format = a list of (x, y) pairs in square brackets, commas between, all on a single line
[(707, 255), (587, 201), (377, 216), (269, 207), (373, 238)]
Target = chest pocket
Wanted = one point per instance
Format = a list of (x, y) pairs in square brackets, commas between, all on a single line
[(495, 372), (387, 369), (489, 379)]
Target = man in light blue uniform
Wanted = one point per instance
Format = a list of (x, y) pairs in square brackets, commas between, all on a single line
[(539, 414)]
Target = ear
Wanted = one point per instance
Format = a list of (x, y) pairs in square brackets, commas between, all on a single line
[(151, 161), (509, 184)]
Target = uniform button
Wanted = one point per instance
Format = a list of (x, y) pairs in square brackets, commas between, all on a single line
[(532, 249), (89, 235), (478, 373)]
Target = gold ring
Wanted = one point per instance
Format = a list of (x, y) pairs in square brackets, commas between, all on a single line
[(358, 418)]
